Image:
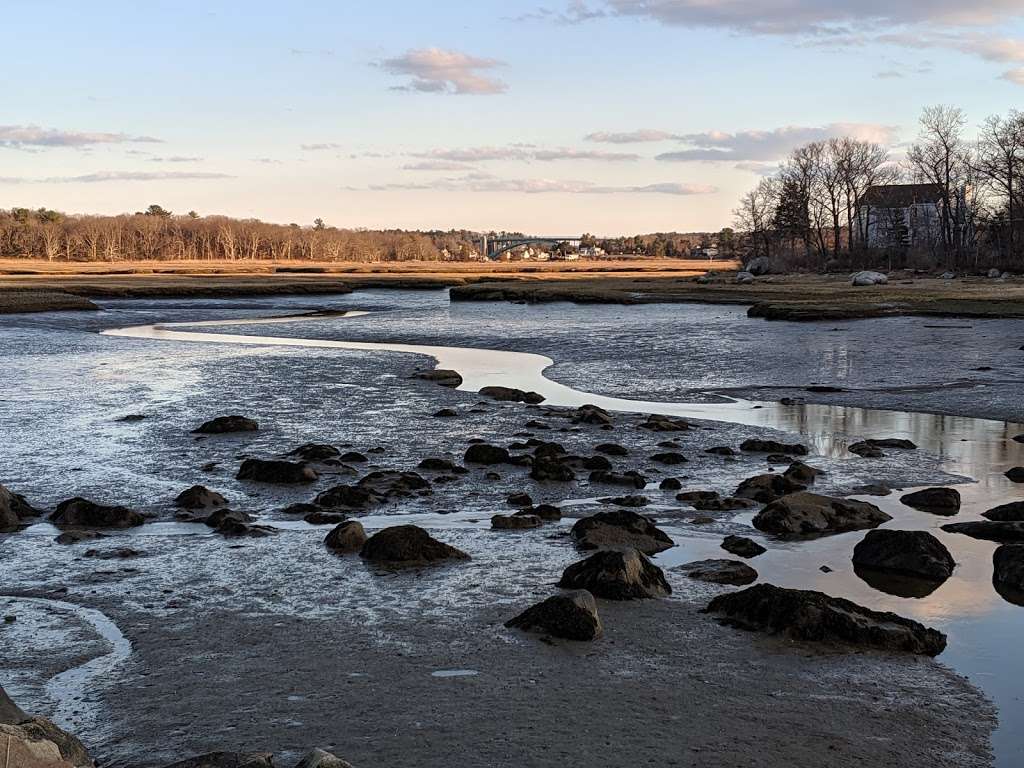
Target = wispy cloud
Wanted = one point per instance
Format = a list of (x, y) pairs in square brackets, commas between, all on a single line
[(434, 70), (643, 135), (31, 136), (175, 159), (481, 182), (320, 147), (436, 165), (523, 152), (104, 176)]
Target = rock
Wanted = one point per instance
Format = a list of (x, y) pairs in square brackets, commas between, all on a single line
[(445, 413), (802, 474), (386, 485), (671, 458), (353, 457), (276, 472), (35, 742), (808, 514), (121, 553), (670, 484), (218, 518), (910, 553), (87, 514), (1008, 566), (408, 545), (545, 512), (892, 442), (1006, 513), (630, 479), (721, 450), (10, 713), (442, 377), (318, 758), (233, 528), (14, 510), (512, 395), (744, 278), (721, 572), (633, 502), (994, 274), (612, 449), (717, 504), (620, 528), (948, 275), (873, 489), (742, 546), (773, 446), (989, 531), (551, 468), (767, 488), (519, 500), (517, 522), (939, 501), (315, 452), (199, 497), (349, 496), (572, 616), (432, 464), (75, 537), (591, 414), (227, 424), (320, 517), (482, 453), (758, 266), (868, 278), (866, 451), (1016, 475), (659, 423), (816, 617), (227, 760), (690, 497), (349, 536), (617, 575), (596, 462)]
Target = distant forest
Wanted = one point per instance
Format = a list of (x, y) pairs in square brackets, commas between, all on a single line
[(159, 235)]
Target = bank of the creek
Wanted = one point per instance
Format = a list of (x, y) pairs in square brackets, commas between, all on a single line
[(325, 651)]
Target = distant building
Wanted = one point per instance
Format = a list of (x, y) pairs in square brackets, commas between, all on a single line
[(895, 215), (588, 252)]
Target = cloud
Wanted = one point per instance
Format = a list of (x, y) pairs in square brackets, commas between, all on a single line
[(760, 169), (103, 176), (434, 70), (320, 147), (630, 137), (21, 136), (1015, 76), (436, 165), (999, 50), (175, 159), (719, 146), (523, 152), (481, 182)]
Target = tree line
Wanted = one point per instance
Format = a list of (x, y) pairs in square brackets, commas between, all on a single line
[(158, 234), (806, 214)]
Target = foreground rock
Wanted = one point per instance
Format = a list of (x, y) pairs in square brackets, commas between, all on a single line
[(742, 546), (721, 572), (816, 617), (1006, 513), (989, 531), (35, 742), (620, 528), (349, 536), (572, 616), (318, 758), (939, 501), (408, 545), (909, 553), (223, 425), (1008, 567), (1016, 475), (79, 512), (199, 497), (617, 575), (227, 760), (276, 472), (512, 395), (809, 514)]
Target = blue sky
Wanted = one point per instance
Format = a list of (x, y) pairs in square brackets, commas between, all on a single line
[(505, 115)]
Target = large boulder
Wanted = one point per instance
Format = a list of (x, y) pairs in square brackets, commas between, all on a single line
[(200, 497), (512, 395), (1016, 475), (482, 453), (767, 488), (731, 572), (744, 278), (813, 616), (868, 278), (802, 474), (773, 446), (408, 545), (1008, 567), (79, 512), (1006, 513), (617, 575), (989, 531), (276, 472), (572, 616), (809, 514), (758, 266), (909, 553), (227, 760), (35, 742), (939, 501), (226, 424), (349, 536), (620, 528)]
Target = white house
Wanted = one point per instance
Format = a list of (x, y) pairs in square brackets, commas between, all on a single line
[(891, 215)]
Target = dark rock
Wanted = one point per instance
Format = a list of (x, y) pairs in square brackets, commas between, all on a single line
[(482, 453), (543, 450), (276, 472), (432, 464), (199, 497), (742, 546), (408, 545), (1008, 566), (320, 517), (670, 484), (445, 413), (519, 500), (442, 377), (824, 389), (76, 537), (512, 395), (591, 414), (133, 417), (630, 479), (689, 497), (1016, 475), (596, 463), (773, 446), (767, 488), (515, 522), (728, 504), (989, 531), (227, 424), (620, 528), (911, 553), (315, 452), (617, 575), (808, 514), (612, 449), (14, 510), (121, 553), (234, 529), (387, 485), (227, 760), (87, 514), (939, 501), (802, 474), (633, 502), (535, 424), (1006, 513), (670, 458), (892, 442), (10, 713), (218, 518), (544, 512), (721, 572), (866, 451), (721, 450), (776, 458), (346, 496), (658, 423), (816, 617), (349, 536), (551, 468), (353, 457), (572, 616)]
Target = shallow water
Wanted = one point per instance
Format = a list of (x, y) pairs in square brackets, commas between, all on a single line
[(984, 629)]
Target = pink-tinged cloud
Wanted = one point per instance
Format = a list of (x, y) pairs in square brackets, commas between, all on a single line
[(434, 70), (775, 144), (21, 136), (482, 182), (523, 152), (641, 136)]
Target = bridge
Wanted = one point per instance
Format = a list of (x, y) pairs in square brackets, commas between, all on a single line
[(493, 247)]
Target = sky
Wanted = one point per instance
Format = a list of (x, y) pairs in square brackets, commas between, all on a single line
[(554, 117)]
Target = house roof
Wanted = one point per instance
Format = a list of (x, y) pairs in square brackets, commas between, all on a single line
[(901, 195)]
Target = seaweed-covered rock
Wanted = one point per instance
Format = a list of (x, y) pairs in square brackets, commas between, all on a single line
[(276, 472), (767, 488), (592, 414), (910, 553), (223, 425), (571, 616), (802, 474), (408, 545), (551, 468), (658, 423), (617, 575), (816, 617), (620, 528), (79, 512), (808, 514)]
